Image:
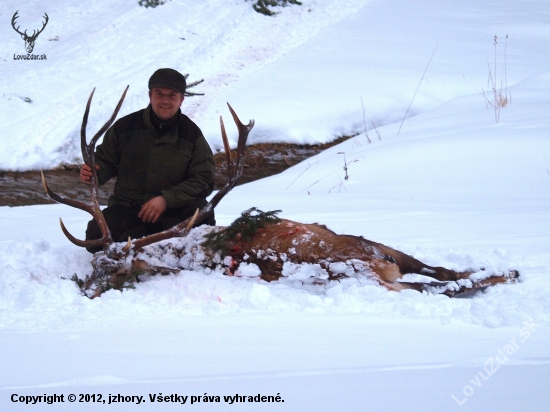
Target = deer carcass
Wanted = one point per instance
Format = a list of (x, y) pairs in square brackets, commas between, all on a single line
[(275, 248)]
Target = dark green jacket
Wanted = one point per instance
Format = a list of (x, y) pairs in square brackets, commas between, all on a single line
[(177, 164)]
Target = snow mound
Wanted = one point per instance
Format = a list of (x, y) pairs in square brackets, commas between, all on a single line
[(36, 293)]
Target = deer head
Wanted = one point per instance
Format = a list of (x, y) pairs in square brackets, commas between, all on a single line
[(29, 40)]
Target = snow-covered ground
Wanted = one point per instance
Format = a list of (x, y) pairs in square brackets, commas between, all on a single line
[(453, 188)]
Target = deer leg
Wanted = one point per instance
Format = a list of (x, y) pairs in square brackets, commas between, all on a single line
[(388, 272), (408, 264), (394, 264), (437, 272), (509, 277)]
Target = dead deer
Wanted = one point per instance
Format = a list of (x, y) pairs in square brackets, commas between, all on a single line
[(278, 248)]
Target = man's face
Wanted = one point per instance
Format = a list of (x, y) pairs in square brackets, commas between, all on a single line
[(165, 102)]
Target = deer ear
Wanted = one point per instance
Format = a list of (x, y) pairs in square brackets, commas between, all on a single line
[(23, 36)]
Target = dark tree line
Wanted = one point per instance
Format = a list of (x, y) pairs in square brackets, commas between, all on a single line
[(261, 6)]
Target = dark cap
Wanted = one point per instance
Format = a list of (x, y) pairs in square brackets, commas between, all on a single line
[(168, 78)]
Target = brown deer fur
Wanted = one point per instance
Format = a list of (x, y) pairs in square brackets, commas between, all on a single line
[(312, 243)]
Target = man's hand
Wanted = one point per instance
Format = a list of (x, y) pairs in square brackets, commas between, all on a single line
[(86, 173), (152, 210)]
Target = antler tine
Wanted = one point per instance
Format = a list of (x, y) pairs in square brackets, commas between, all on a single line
[(226, 145), (86, 155), (244, 130), (81, 243), (59, 199), (111, 120), (192, 221), (87, 207), (234, 172)]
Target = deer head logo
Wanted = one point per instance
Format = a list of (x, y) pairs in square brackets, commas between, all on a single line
[(29, 40)]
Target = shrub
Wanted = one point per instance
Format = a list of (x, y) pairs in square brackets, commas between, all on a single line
[(151, 3), (263, 6)]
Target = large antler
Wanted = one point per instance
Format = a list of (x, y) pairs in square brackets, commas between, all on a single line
[(234, 171), (93, 206)]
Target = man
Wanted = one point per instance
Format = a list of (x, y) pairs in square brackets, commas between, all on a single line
[(163, 164)]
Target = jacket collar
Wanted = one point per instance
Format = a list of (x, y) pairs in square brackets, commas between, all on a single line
[(162, 131)]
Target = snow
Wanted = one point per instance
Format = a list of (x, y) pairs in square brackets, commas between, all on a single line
[(453, 188)]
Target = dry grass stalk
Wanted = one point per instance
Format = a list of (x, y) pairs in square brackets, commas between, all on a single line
[(499, 95)]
